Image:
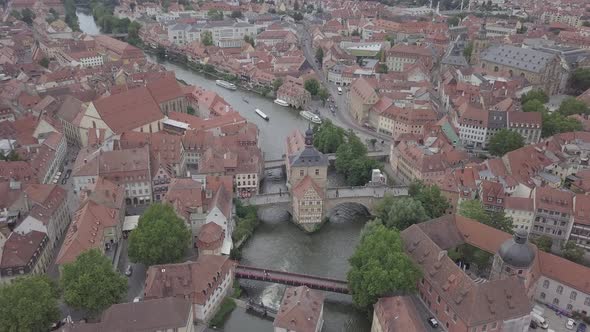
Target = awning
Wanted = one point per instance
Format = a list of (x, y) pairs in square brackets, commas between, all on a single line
[(130, 223)]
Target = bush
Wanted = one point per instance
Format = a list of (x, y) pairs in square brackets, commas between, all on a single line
[(246, 221), (227, 306)]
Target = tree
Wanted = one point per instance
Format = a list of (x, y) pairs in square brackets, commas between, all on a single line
[(404, 212), (28, 304), (44, 62), (312, 85), (538, 94), (161, 237), (474, 209), (297, 16), (323, 94), (453, 21), (91, 283), (27, 16), (355, 33), (572, 252), (533, 105), (16, 14), (382, 68), (161, 52), (379, 266), (390, 39), (133, 33), (431, 198), (207, 38), (319, 55), (215, 15), (328, 137), (505, 141), (132, 6), (249, 40), (579, 81), (468, 50), (571, 106), (346, 153), (276, 84), (236, 14), (556, 123), (543, 242), (190, 110)]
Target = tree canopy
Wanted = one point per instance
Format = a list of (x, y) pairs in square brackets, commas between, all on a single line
[(379, 265), (91, 283), (313, 86), (537, 94), (352, 161), (453, 21), (434, 202), (236, 14), (543, 242), (579, 81), (215, 15), (404, 212), (323, 94), (319, 55), (328, 137), (572, 252), (28, 304), (161, 237), (571, 105), (555, 123), (474, 209), (206, 38), (533, 105), (505, 141)]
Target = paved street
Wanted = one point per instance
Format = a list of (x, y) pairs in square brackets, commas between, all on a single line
[(136, 281)]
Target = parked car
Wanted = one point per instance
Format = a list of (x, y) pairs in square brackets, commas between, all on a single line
[(129, 270), (581, 327), (433, 322), (569, 324)]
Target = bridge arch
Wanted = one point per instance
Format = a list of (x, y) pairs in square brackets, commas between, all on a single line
[(344, 211)]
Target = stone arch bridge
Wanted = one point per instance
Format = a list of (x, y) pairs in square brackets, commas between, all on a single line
[(363, 195)]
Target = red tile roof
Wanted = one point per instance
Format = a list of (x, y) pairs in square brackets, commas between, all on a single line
[(300, 310), (129, 110), (19, 249)]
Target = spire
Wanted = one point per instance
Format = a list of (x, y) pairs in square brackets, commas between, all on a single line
[(482, 33)]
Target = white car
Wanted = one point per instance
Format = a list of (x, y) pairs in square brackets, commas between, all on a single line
[(570, 324)]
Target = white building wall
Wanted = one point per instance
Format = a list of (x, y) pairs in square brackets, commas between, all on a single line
[(565, 297)]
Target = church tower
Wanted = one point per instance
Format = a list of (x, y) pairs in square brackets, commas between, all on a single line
[(515, 258), (480, 43)]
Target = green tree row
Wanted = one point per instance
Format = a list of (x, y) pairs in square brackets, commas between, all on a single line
[(559, 120)]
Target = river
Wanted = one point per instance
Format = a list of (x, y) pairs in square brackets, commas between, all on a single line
[(277, 243)]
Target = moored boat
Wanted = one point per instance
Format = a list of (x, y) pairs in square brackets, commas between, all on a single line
[(311, 117), (261, 114), (281, 102), (226, 84)]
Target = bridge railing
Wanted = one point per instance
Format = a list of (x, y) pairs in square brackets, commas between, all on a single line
[(300, 275)]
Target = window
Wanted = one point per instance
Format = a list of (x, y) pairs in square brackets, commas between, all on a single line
[(430, 290), (587, 301), (543, 295), (455, 318), (438, 299), (317, 171), (546, 284), (573, 295), (559, 289), (300, 172), (570, 307), (556, 301), (422, 281), (484, 327), (494, 325)]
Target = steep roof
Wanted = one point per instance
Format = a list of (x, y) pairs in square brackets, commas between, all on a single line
[(195, 279), (128, 110), (20, 248), (398, 313)]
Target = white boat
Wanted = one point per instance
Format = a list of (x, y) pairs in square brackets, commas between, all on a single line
[(226, 84), (281, 102), (262, 115), (311, 117)]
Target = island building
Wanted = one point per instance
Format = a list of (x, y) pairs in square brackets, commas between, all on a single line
[(307, 174)]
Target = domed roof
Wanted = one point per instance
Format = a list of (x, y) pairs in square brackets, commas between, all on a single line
[(517, 252)]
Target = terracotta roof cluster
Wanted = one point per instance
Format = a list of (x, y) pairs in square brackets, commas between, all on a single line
[(398, 313), (20, 250), (300, 310)]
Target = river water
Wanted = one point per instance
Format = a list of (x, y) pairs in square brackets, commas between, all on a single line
[(277, 243)]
